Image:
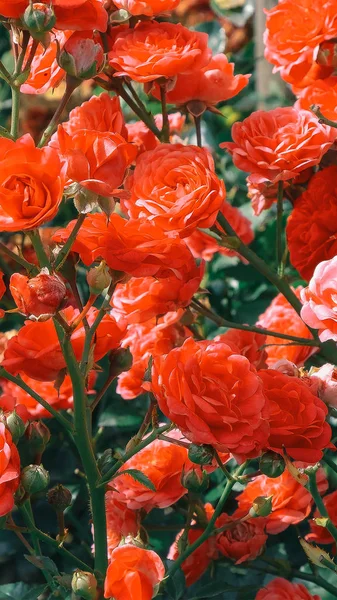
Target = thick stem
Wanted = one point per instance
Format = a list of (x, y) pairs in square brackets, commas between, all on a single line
[(197, 123), (15, 111), (279, 230), (39, 249)]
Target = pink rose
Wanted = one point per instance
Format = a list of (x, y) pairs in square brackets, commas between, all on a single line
[(320, 300)]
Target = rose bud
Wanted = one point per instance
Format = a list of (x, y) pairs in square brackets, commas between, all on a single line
[(34, 479), (59, 497), (81, 57), (120, 361), (98, 278), (84, 584), (40, 297), (38, 436), (15, 425), (39, 18), (201, 455), (195, 481), (272, 464), (262, 507)]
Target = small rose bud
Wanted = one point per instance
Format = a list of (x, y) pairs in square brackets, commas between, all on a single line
[(15, 425), (34, 479), (201, 455), (106, 461), (84, 584), (38, 435), (272, 464), (39, 297), (262, 506), (85, 201), (120, 361), (98, 278), (59, 497), (195, 481), (81, 57), (39, 18)]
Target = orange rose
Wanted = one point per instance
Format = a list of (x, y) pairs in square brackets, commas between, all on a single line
[(80, 15), (13, 9), (143, 298), (213, 395), (262, 195), (150, 8), (176, 187), (36, 351), (214, 83), (311, 229), (318, 534), (242, 541), (281, 317), (322, 93), (86, 239), (141, 136), (41, 296), (282, 589), (121, 521), (9, 470), (133, 573), (45, 72), (100, 113), (163, 463), (261, 143), (247, 343), (31, 194), (153, 50), (292, 502), (297, 417)]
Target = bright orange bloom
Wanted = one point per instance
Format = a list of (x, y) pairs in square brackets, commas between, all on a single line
[(121, 521), (292, 502), (163, 463), (243, 541), (297, 417), (13, 8), (29, 195), (9, 470), (322, 93), (247, 343), (153, 50), (150, 8), (311, 230), (41, 296), (36, 351), (213, 395), (278, 144), (80, 15), (45, 72), (282, 589), (100, 113), (281, 317), (318, 534), (141, 136), (214, 83), (319, 300), (176, 187), (133, 573)]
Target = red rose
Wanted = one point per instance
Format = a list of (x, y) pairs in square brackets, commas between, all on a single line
[(9, 470), (41, 296), (242, 541)]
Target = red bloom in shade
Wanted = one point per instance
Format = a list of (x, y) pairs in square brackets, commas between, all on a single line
[(121, 521), (100, 113), (204, 246), (213, 395), (241, 541), (214, 83), (146, 7), (163, 463), (156, 336), (9, 470), (282, 589), (176, 187), (96, 160), (281, 317), (322, 93), (133, 573), (319, 300), (292, 502), (30, 194), (143, 298), (311, 229), (36, 351), (45, 72), (198, 562), (80, 14), (318, 534), (247, 343), (297, 417), (278, 144), (153, 50), (41, 296), (13, 8)]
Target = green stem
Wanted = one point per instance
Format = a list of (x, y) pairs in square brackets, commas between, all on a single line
[(330, 463), (197, 123), (30, 268), (62, 256), (71, 85), (21, 384), (210, 527), (313, 489), (279, 230), (146, 117), (15, 111), (39, 249), (165, 132), (322, 119)]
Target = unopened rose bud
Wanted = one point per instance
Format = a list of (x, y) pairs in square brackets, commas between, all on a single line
[(262, 507), (120, 361), (39, 18), (272, 464), (59, 497), (195, 481), (15, 425), (85, 201), (201, 455), (34, 479), (81, 57), (38, 435), (99, 278), (84, 584), (39, 297)]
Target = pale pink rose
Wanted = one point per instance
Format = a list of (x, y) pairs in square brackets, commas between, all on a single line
[(325, 382), (320, 300)]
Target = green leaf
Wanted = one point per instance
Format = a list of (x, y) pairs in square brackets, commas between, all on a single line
[(21, 591), (43, 562), (139, 477), (211, 590), (175, 586)]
